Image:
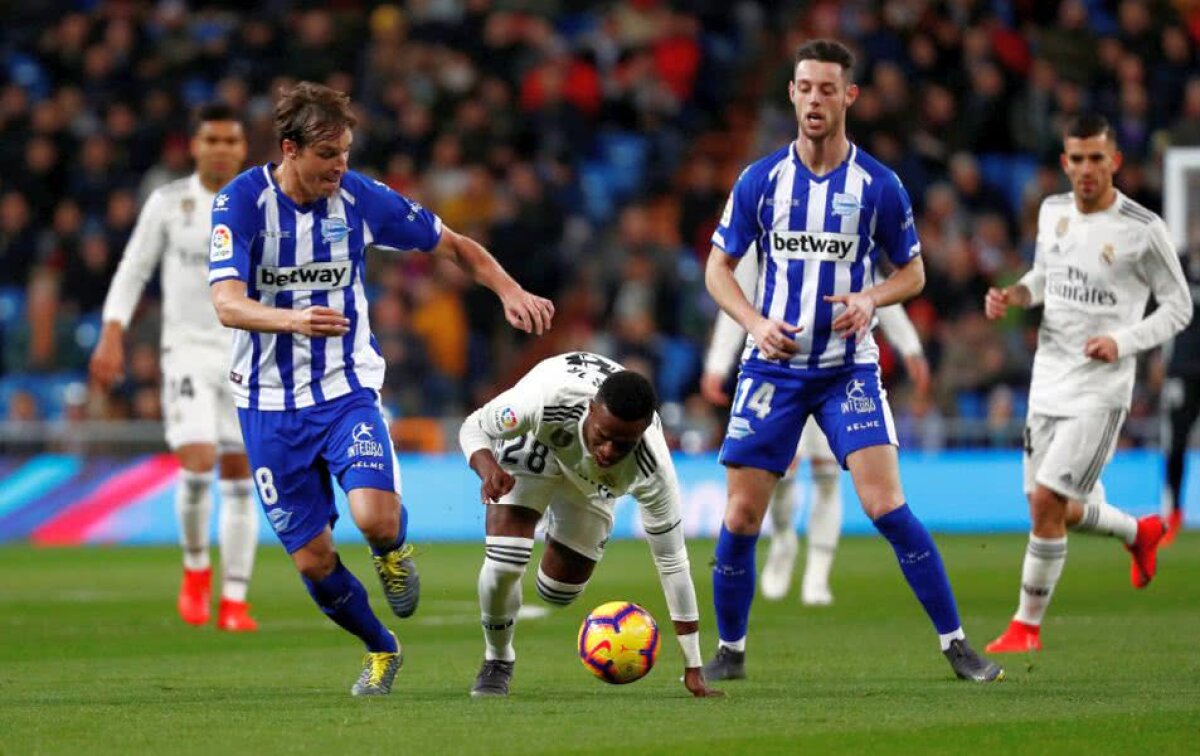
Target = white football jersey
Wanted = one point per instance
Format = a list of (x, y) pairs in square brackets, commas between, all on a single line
[(1095, 273), (551, 402), (173, 228)]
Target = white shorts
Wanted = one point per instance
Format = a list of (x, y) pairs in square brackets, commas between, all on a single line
[(198, 406), (1067, 454), (813, 446), (580, 522)]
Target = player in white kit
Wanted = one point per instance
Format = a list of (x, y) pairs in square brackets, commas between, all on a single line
[(201, 421), (1099, 258), (824, 524), (568, 440)]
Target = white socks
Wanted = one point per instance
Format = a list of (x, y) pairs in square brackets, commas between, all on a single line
[(500, 593), (1044, 560), (824, 527), (783, 506), (238, 532), (193, 509), (1102, 518)]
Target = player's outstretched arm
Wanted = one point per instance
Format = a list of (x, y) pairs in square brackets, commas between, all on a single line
[(236, 310), (523, 310)]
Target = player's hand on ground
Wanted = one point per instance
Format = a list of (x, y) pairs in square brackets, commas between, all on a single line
[(712, 388), (855, 320), (528, 312), (1103, 348), (996, 303), (918, 372), (775, 339), (320, 321), (693, 680), (108, 363)]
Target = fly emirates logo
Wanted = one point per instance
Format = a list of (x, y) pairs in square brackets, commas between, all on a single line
[(318, 276), (814, 245)]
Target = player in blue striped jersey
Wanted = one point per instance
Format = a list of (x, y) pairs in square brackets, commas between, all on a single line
[(819, 212), (286, 268)]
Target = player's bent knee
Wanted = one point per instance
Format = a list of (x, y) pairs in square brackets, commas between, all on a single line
[(556, 591)]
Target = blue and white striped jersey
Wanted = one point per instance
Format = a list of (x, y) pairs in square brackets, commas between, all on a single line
[(293, 257), (816, 236)]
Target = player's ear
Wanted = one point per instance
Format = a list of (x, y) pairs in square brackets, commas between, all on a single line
[(1118, 159), (851, 94)]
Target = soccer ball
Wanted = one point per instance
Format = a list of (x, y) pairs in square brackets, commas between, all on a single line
[(618, 642)]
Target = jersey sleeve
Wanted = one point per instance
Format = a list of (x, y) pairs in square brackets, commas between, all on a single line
[(657, 487), (896, 229), (511, 414), (899, 330), (728, 336), (1035, 278), (141, 256), (397, 222), (1161, 269), (738, 227), (234, 221)]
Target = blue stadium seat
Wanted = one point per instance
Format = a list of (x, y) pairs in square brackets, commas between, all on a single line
[(971, 405), (626, 154), (679, 364), (12, 304)]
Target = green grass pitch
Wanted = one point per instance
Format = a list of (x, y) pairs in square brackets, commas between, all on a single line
[(93, 660)]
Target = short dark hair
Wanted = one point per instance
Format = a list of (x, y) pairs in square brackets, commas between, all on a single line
[(628, 395), (826, 51), (1088, 125), (309, 113), (214, 111)]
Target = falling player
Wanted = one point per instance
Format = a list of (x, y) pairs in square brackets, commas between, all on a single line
[(824, 525), (201, 421), (286, 268), (570, 438), (1099, 258), (819, 211)]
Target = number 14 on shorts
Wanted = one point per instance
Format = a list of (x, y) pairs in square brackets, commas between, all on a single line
[(755, 398)]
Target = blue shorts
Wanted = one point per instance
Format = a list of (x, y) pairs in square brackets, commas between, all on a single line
[(772, 403), (293, 454)]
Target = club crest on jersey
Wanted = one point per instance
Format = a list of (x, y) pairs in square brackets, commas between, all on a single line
[(334, 230), (1061, 228), (1108, 254), (364, 444), (221, 246), (561, 437), (188, 206), (845, 204), (856, 398), (221, 203)]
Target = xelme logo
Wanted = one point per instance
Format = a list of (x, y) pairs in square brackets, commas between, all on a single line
[(317, 276), (815, 245)]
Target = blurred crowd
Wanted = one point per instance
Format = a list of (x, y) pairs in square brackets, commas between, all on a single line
[(590, 147)]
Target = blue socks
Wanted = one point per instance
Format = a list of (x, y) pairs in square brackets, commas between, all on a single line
[(922, 566), (344, 600), (401, 535), (733, 583)]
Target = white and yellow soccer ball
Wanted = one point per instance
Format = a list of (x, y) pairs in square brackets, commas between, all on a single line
[(619, 642)]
